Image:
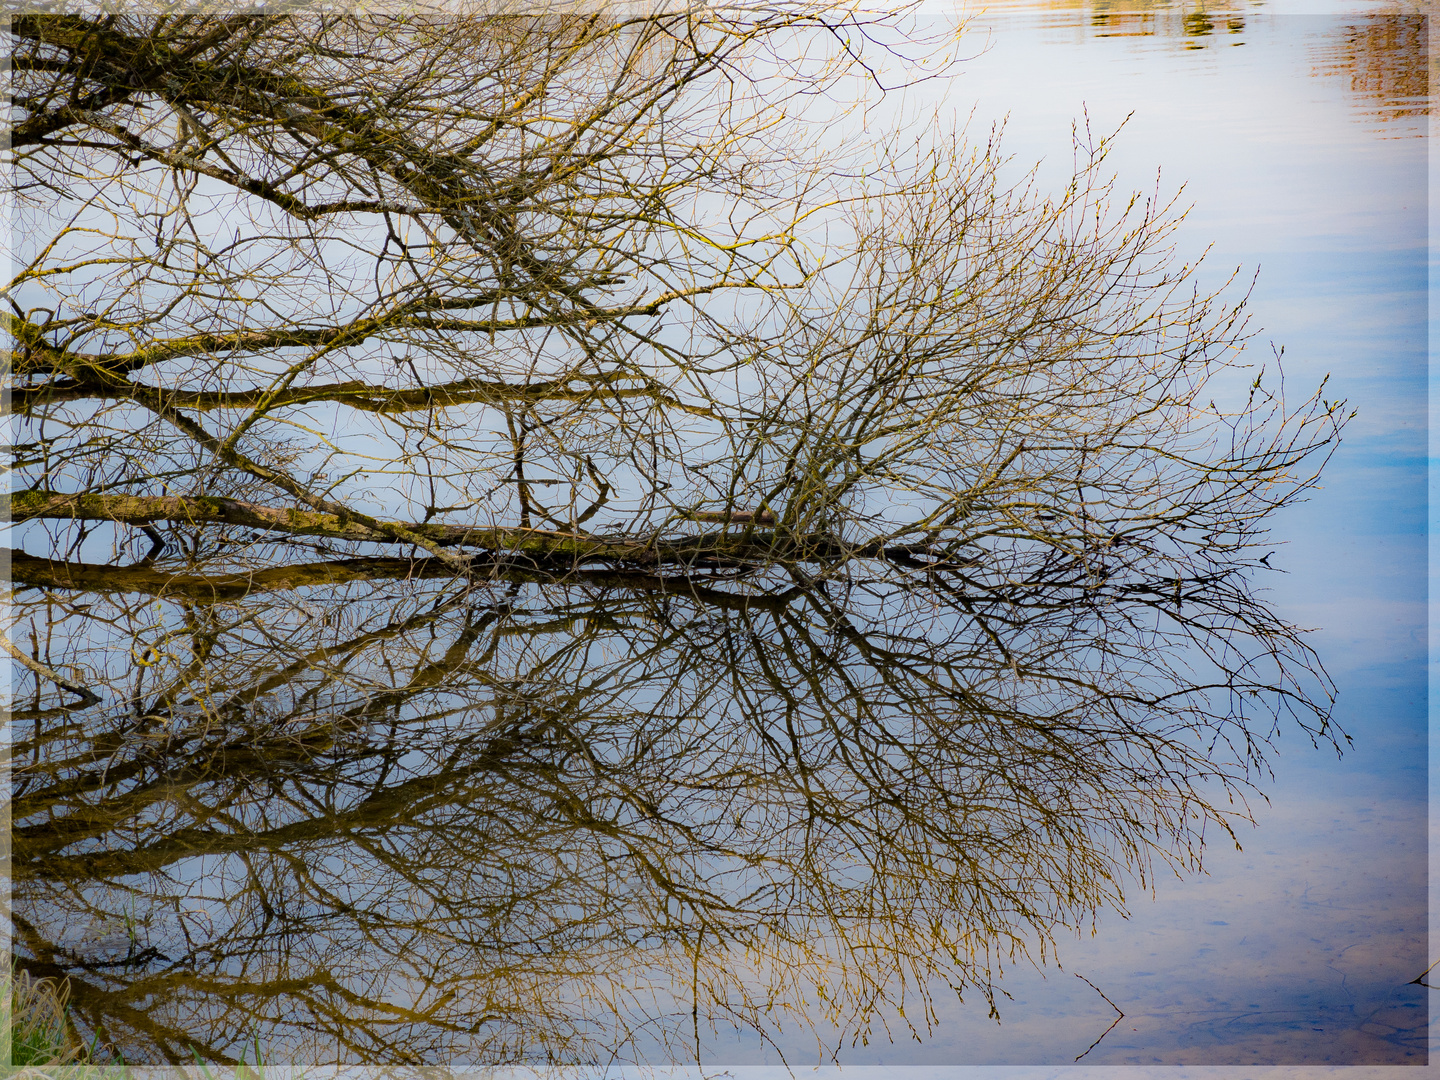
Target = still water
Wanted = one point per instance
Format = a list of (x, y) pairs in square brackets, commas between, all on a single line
[(1301, 138), (405, 885)]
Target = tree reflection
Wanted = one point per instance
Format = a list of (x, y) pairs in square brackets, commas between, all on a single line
[(1188, 21), (1384, 56), (842, 558), (558, 816)]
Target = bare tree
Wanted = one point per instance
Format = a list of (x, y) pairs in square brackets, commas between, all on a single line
[(562, 822), (610, 565)]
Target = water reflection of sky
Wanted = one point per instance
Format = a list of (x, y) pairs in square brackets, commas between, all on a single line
[(1304, 155), (1297, 138)]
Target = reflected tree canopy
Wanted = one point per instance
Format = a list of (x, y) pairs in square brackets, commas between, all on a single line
[(524, 820), (516, 565)]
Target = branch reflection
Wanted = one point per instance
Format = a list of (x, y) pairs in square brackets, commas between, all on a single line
[(560, 818)]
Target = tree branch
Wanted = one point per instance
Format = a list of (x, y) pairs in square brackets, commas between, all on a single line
[(88, 697), (32, 572), (367, 397), (538, 543)]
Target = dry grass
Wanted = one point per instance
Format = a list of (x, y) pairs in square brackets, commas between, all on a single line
[(35, 1029)]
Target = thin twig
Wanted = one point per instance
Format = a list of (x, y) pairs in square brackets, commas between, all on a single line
[(1419, 980), (89, 696), (1117, 1008)]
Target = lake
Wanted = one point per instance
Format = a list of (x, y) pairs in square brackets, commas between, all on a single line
[(619, 862)]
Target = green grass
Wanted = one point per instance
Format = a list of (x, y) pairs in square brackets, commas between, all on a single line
[(36, 1031), (34, 1027)]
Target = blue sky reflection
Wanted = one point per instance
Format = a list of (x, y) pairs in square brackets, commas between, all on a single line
[(1298, 950)]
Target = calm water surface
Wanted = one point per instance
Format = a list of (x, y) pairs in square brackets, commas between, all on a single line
[(1300, 137), (359, 888)]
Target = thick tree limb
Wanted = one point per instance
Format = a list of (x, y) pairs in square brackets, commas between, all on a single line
[(541, 543), (368, 397), (747, 547), (27, 570)]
